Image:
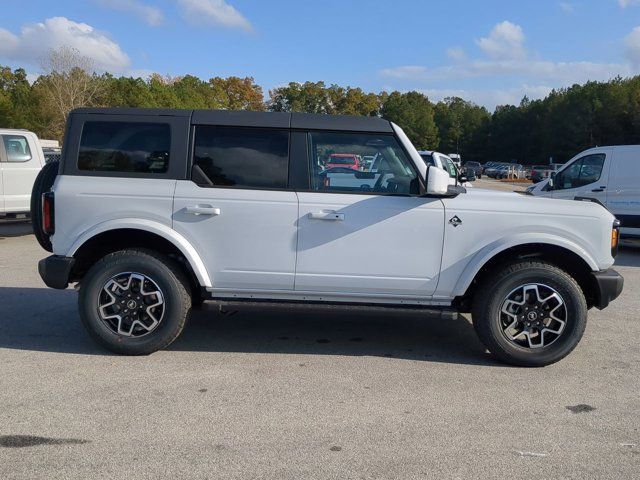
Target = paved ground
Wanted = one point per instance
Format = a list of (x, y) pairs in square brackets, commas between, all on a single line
[(486, 182), (298, 394)]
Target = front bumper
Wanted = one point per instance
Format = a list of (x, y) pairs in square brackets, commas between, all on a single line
[(609, 287), (55, 271)]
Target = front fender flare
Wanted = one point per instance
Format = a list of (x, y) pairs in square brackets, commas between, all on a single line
[(164, 231), (491, 250)]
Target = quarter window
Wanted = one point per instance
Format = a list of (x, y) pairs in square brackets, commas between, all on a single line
[(125, 147), (241, 157), (583, 171), (386, 170), (17, 148)]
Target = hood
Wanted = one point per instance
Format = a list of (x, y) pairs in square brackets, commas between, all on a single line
[(483, 199)]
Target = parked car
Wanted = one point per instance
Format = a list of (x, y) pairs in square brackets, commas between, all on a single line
[(442, 161), (475, 167), (21, 159), (607, 175), (237, 210), (346, 160), (456, 158), (540, 172)]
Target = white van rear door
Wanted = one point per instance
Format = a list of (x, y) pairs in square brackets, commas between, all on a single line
[(623, 197)]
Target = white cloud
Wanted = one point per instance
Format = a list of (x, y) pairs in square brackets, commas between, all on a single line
[(35, 40), (151, 15), (567, 7), (213, 12), (491, 98), (628, 3), (515, 75), (632, 46), (564, 73), (504, 42), (456, 53)]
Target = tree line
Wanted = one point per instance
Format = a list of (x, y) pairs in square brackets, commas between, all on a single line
[(564, 123)]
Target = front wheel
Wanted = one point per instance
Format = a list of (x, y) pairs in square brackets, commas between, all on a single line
[(531, 314), (134, 302)]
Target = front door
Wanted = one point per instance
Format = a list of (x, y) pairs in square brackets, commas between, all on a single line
[(237, 210), (586, 177), (367, 233)]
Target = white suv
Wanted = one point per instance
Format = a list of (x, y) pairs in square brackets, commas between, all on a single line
[(152, 211)]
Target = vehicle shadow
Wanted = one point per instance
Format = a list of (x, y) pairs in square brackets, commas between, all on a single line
[(40, 319), (15, 228)]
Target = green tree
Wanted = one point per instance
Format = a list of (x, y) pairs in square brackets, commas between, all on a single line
[(414, 113)]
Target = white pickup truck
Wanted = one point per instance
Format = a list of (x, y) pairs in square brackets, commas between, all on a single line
[(21, 159), (152, 211)]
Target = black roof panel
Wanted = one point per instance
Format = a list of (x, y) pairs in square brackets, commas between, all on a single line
[(257, 119), (241, 118), (313, 121)]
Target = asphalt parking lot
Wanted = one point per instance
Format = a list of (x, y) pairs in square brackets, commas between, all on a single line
[(306, 393)]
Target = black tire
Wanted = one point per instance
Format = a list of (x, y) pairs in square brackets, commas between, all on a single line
[(168, 277), (43, 183), (493, 291)]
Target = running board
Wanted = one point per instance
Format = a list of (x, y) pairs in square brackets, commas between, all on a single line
[(444, 313)]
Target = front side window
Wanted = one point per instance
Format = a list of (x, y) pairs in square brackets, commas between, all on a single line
[(449, 167), (241, 157), (125, 147), (17, 148), (583, 171), (390, 171)]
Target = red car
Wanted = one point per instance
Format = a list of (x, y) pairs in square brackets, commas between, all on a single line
[(344, 160)]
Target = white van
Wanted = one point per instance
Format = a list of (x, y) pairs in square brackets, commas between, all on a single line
[(610, 175), (21, 159), (445, 163)]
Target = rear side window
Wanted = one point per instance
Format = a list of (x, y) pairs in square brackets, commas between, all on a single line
[(241, 157), (126, 147), (17, 148)]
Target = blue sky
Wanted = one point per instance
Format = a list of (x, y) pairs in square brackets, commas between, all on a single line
[(491, 52)]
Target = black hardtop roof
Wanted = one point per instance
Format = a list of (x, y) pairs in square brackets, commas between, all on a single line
[(308, 121)]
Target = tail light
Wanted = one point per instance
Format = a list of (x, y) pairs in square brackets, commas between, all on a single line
[(615, 238), (48, 217)]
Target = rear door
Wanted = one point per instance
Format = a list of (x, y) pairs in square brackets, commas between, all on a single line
[(237, 209), (19, 171), (587, 176), (373, 236), (623, 192)]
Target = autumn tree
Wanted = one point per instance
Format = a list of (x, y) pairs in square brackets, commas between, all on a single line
[(69, 81)]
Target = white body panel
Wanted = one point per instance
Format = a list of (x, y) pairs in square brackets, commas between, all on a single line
[(493, 221), (369, 244), (618, 187), (18, 177), (249, 242), (329, 246)]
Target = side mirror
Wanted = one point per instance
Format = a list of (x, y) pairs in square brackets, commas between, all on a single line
[(437, 181)]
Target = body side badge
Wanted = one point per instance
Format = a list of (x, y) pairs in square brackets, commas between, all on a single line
[(455, 221)]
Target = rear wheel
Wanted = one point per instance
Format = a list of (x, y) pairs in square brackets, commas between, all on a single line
[(134, 302), (532, 314), (43, 183)]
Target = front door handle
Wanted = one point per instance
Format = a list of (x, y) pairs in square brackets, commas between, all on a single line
[(601, 189), (203, 210), (328, 216)]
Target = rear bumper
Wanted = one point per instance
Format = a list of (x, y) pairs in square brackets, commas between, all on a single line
[(55, 271), (610, 284)]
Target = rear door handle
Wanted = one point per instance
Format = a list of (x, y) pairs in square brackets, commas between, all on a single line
[(203, 210), (328, 216)]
